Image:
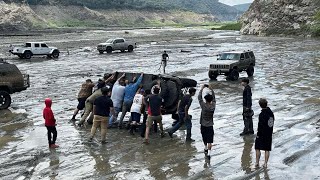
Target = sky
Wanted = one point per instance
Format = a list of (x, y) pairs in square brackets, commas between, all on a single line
[(234, 2)]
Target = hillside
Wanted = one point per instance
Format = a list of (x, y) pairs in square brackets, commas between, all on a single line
[(18, 15), (282, 17), (242, 7)]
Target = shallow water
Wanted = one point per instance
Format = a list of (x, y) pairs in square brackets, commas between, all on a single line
[(286, 73)]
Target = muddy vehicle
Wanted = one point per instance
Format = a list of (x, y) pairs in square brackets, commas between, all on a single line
[(231, 63), (11, 81), (116, 44), (30, 49), (172, 87)]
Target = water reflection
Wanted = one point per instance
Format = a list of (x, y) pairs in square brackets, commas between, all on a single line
[(54, 164), (246, 158)]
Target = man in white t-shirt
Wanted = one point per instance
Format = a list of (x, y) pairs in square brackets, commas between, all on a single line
[(117, 98), (136, 109)]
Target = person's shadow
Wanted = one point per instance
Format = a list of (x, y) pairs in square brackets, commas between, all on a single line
[(246, 158), (54, 164)]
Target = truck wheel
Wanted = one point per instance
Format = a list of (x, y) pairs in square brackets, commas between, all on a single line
[(234, 75), (55, 54), (100, 52), (27, 54), (130, 48), (5, 100), (188, 82), (213, 75), (109, 49), (250, 71)]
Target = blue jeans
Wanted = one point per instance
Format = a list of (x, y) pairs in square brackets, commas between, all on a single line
[(115, 118), (187, 122)]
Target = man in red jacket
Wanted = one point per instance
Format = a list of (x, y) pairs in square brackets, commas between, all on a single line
[(50, 123)]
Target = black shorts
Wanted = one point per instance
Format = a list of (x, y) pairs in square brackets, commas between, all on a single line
[(135, 116), (207, 134), (82, 103), (263, 143)]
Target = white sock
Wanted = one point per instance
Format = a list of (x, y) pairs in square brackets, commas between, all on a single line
[(205, 148), (209, 152)]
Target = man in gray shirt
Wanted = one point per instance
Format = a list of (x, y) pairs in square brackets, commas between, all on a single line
[(206, 119)]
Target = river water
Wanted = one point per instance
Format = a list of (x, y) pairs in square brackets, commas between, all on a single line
[(286, 73)]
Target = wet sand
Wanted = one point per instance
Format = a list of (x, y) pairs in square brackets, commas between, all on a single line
[(286, 73)]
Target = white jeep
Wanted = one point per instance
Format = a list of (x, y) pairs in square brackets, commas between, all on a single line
[(30, 49), (116, 44)]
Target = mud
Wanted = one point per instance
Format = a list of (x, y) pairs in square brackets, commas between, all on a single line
[(286, 73)]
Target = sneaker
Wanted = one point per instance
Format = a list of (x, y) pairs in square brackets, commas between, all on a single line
[(72, 119), (206, 151), (146, 141), (90, 139), (244, 133), (170, 134), (190, 140), (54, 146), (103, 142)]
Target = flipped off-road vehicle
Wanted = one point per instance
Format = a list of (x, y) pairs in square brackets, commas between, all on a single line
[(30, 49), (116, 44), (172, 87), (231, 63), (11, 81)]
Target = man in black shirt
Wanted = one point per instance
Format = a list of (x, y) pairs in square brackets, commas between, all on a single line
[(247, 111), (183, 112), (164, 60), (102, 107), (154, 103)]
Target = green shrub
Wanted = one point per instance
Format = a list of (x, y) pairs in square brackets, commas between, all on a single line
[(235, 26)]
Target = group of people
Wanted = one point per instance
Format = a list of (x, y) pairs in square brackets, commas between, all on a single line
[(122, 95)]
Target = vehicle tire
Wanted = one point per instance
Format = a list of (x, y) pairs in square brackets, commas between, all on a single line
[(20, 56), (55, 54), (100, 52), (27, 54), (188, 82), (250, 71), (5, 100), (213, 75), (109, 49), (130, 48), (234, 75)]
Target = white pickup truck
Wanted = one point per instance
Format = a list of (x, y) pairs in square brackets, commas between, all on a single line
[(30, 49), (116, 44)]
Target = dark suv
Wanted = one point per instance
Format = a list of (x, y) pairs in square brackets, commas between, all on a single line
[(231, 63), (11, 81)]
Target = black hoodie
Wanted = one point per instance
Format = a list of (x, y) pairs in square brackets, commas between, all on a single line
[(266, 122)]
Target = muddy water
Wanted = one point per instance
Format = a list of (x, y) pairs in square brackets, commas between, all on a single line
[(286, 73)]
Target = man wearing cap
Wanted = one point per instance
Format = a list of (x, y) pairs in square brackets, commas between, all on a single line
[(247, 111), (164, 60), (136, 109), (84, 93)]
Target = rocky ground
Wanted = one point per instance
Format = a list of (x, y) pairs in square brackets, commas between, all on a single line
[(283, 17), (286, 73)]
